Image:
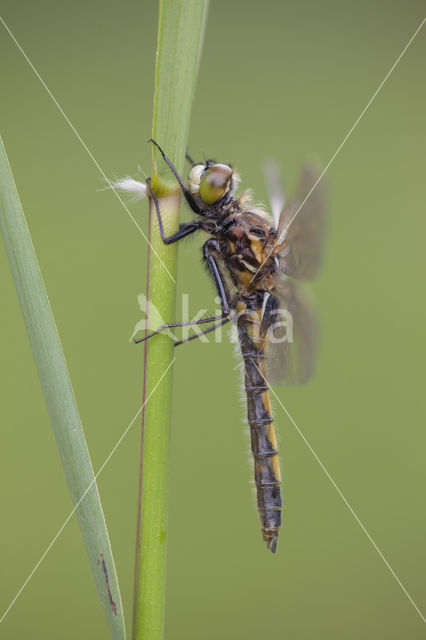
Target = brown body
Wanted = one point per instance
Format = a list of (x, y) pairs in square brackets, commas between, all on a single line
[(245, 242)]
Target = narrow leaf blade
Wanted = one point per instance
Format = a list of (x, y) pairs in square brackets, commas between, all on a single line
[(59, 396)]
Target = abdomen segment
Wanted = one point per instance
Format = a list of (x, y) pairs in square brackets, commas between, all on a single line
[(263, 440)]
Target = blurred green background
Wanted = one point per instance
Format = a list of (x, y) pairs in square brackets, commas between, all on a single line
[(276, 78)]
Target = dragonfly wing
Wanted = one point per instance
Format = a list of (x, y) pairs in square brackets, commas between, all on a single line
[(276, 195), (292, 336), (301, 227)]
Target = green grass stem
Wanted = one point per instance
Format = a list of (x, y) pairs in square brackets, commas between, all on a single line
[(180, 34)]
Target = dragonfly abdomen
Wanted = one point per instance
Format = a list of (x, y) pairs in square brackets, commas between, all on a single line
[(264, 447)]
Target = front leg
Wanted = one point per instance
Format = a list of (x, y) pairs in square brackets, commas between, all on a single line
[(188, 195), (185, 228)]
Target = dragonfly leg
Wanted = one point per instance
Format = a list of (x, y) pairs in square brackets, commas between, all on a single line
[(188, 195), (174, 325), (202, 333), (210, 248), (184, 229), (190, 160)]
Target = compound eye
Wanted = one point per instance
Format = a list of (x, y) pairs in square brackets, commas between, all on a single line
[(215, 182)]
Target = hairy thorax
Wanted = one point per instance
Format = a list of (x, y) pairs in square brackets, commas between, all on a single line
[(246, 240)]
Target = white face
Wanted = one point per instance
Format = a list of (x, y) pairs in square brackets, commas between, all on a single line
[(195, 177)]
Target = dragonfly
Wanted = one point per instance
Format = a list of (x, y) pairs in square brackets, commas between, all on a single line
[(256, 260)]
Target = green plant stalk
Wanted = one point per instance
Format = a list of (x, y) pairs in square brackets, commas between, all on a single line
[(59, 395), (180, 33)]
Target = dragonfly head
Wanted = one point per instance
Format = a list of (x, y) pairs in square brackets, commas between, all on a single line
[(211, 182)]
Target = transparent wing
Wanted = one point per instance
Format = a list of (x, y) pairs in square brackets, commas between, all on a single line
[(276, 194), (292, 335), (301, 227)]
